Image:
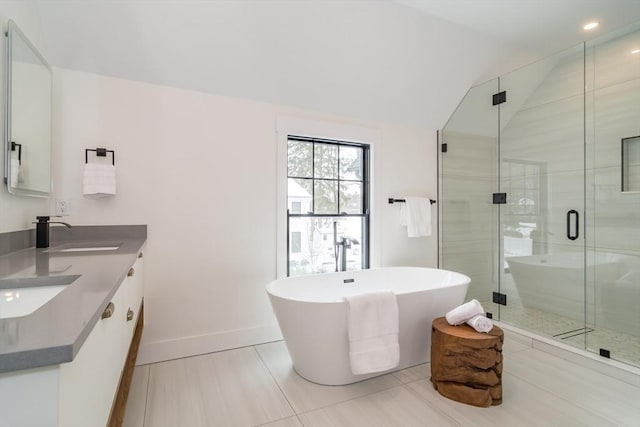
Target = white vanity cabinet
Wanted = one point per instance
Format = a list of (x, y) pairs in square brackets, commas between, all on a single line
[(88, 384), (80, 393)]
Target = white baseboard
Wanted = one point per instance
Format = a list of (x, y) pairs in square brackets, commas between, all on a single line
[(612, 368), (159, 351)]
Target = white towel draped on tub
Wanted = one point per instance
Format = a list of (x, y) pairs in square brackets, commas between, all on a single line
[(99, 180), (373, 332), (415, 214)]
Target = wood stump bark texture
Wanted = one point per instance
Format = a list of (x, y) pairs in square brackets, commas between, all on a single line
[(466, 366)]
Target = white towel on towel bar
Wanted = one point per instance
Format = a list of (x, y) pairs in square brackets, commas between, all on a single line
[(99, 180), (373, 332), (415, 214)]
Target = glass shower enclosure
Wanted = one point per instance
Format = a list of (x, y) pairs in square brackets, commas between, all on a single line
[(540, 196)]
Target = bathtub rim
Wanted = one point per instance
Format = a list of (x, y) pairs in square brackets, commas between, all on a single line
[(465, 281)]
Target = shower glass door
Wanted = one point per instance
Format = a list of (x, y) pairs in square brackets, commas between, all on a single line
[(468, 220), (542, 172), (613, 175), (540, 196)]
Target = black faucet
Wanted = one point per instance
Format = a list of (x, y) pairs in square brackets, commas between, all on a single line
[(42, 230), (345, 244)]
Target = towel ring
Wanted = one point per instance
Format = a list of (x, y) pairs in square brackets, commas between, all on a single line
[(13, 148), (100, 152)]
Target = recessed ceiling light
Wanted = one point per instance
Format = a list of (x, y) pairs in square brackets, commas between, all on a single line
[(591, 25), (635, 51)]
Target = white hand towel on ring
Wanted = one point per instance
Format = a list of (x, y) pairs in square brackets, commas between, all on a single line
[(17, 175), (99, 180)]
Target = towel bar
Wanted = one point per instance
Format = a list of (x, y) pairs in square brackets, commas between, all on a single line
[(392, 201)]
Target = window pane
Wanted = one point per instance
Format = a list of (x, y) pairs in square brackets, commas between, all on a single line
[(326, 161), (326, 196), (316, 251), (316, 246), (300, 159), (351, 163), (296, 242), (299, 191), (352, 228), (351, 197)]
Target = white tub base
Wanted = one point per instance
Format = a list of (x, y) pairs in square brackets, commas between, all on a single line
[(313, 316)]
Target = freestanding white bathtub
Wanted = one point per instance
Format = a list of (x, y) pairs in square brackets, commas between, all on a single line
[(312, 315)]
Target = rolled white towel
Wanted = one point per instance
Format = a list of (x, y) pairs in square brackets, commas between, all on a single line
[(462, 313), (480, 323)]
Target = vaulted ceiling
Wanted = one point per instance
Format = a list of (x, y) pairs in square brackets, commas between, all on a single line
[(405, 61), (540, 26)]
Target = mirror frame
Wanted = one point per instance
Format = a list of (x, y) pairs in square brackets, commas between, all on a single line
[(11, 31)]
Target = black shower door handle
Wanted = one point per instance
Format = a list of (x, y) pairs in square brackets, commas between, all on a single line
[(577, 229)]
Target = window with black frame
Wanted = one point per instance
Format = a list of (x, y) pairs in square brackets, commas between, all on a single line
[(327, 206)]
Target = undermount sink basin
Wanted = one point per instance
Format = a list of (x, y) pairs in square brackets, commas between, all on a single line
[(24, 295), (97, 248), (86, 247)]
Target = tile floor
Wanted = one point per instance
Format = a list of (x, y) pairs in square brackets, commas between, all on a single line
[(623, 347), (256, 386)]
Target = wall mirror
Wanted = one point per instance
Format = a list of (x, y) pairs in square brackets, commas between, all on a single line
[(28, 86)]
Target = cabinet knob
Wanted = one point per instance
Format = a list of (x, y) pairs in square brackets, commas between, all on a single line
[(131, 272), (129, 315), (108, 312)]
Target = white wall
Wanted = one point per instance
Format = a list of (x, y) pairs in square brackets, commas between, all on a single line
[(17, 212), (200, 170)]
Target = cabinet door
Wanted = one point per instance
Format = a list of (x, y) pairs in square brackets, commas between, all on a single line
[(29, 397), (88, 384), (133, 285)]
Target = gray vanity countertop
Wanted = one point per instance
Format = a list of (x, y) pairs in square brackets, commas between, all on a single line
[(54, 333)]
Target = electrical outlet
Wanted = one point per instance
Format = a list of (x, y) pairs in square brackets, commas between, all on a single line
[(63, 207)]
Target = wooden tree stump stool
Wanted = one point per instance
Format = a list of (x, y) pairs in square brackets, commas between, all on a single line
[(466, 366)]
